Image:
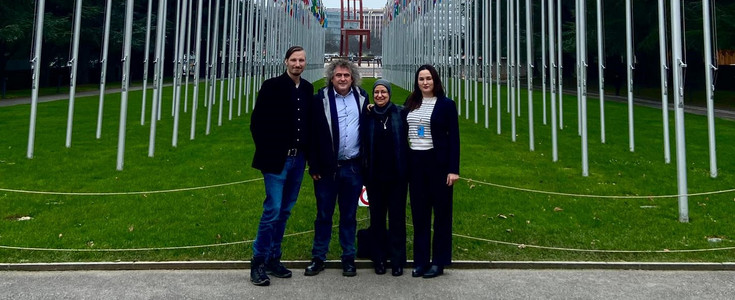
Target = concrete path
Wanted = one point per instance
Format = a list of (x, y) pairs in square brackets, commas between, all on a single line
[(455, 284)]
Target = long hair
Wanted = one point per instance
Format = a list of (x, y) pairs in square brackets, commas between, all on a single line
[(415, 99), (354, 73)]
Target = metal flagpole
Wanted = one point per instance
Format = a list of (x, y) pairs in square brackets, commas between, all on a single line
[(234, 40), (223, 63), (125, 84), (560, 65), (250, 54), (36, 66), (103, 68), (709, 68), (679, 65), (601, 67), (517, 55), (197, 67), (529, 72), (513, 63), (187, 56), (162, 65), (213, 67), (209, 47), (578, 65), (146, 54), (544, 66), (179, 59), (73, 77), (241, 55), (552, 82), (486, 59), (157, 74), (662, 52), (629, 57), (583, 84), (497, 60), (475, 34), (176, 58), (508, 54)]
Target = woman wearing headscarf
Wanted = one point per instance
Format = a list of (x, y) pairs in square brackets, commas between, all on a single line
[(384, 148)]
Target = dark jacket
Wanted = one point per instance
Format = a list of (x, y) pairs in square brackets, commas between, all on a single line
[(445, 134), (325, 130), (273, 122), (399, 133)]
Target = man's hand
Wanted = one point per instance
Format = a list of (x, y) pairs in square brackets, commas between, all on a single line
[(316, 176), (452, 178)]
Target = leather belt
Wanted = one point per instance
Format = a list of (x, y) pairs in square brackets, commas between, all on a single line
[(343, 162)]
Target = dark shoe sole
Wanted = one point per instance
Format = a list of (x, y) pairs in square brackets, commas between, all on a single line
[(280, 275), (261, 283), (349, 274), (313, 272), (432, 275)]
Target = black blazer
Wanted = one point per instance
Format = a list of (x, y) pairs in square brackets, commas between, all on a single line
[(273, 121), (445, 134), (325, 130), (400, 140)]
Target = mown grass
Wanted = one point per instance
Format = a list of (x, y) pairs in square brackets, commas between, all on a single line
[(230, 214)]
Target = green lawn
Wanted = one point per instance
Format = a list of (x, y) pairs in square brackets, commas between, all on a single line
[(505, 224)]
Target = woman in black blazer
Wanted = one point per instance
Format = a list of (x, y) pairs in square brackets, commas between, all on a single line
[(433, 137)]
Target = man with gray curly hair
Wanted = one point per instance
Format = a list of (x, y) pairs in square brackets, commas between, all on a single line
[(334, 162)]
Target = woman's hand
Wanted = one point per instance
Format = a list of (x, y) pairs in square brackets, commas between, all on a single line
[(452, 178)]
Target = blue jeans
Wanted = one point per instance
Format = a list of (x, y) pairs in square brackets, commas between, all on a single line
[(281, 191), (343, 187)]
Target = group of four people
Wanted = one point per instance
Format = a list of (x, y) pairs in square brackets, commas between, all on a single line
[(349, 143)]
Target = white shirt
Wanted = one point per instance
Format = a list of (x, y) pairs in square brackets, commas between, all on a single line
[(419, 125)]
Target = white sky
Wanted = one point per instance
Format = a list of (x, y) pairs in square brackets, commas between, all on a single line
[(365, 3)]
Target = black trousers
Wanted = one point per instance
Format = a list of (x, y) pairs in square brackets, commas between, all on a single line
[(430, 193), (388, 199)]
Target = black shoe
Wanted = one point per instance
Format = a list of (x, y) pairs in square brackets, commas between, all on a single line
[(434, 271), (276, 268), (316, 266), (379, 267), (397, 271), (418, 271), (258, 275), (348, 267)]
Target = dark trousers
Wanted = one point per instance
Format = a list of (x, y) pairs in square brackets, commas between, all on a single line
[(341, 188), (388, 199), (430, 193)]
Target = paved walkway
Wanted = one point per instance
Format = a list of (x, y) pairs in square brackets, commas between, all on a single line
[(455, 284)]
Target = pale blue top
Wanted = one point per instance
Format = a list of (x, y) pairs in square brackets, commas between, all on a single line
[(348, 118)]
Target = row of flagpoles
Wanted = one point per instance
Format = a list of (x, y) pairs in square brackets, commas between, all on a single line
[(457, 37), (244, 45)]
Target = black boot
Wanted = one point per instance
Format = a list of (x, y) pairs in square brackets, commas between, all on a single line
[(276, 268), (258, 274)]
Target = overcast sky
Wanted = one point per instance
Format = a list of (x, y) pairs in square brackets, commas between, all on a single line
[(365, 3)]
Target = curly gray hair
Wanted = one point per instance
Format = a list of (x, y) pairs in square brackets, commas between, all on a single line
[(329, 71)]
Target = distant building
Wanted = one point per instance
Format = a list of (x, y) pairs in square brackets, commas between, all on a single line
[(373, 21)]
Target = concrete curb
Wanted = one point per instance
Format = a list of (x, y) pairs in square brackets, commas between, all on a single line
[(365, 264)]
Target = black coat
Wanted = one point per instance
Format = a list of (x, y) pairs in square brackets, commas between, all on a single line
[(399, 133), (325, 131), (445, 134), (273, 121)]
